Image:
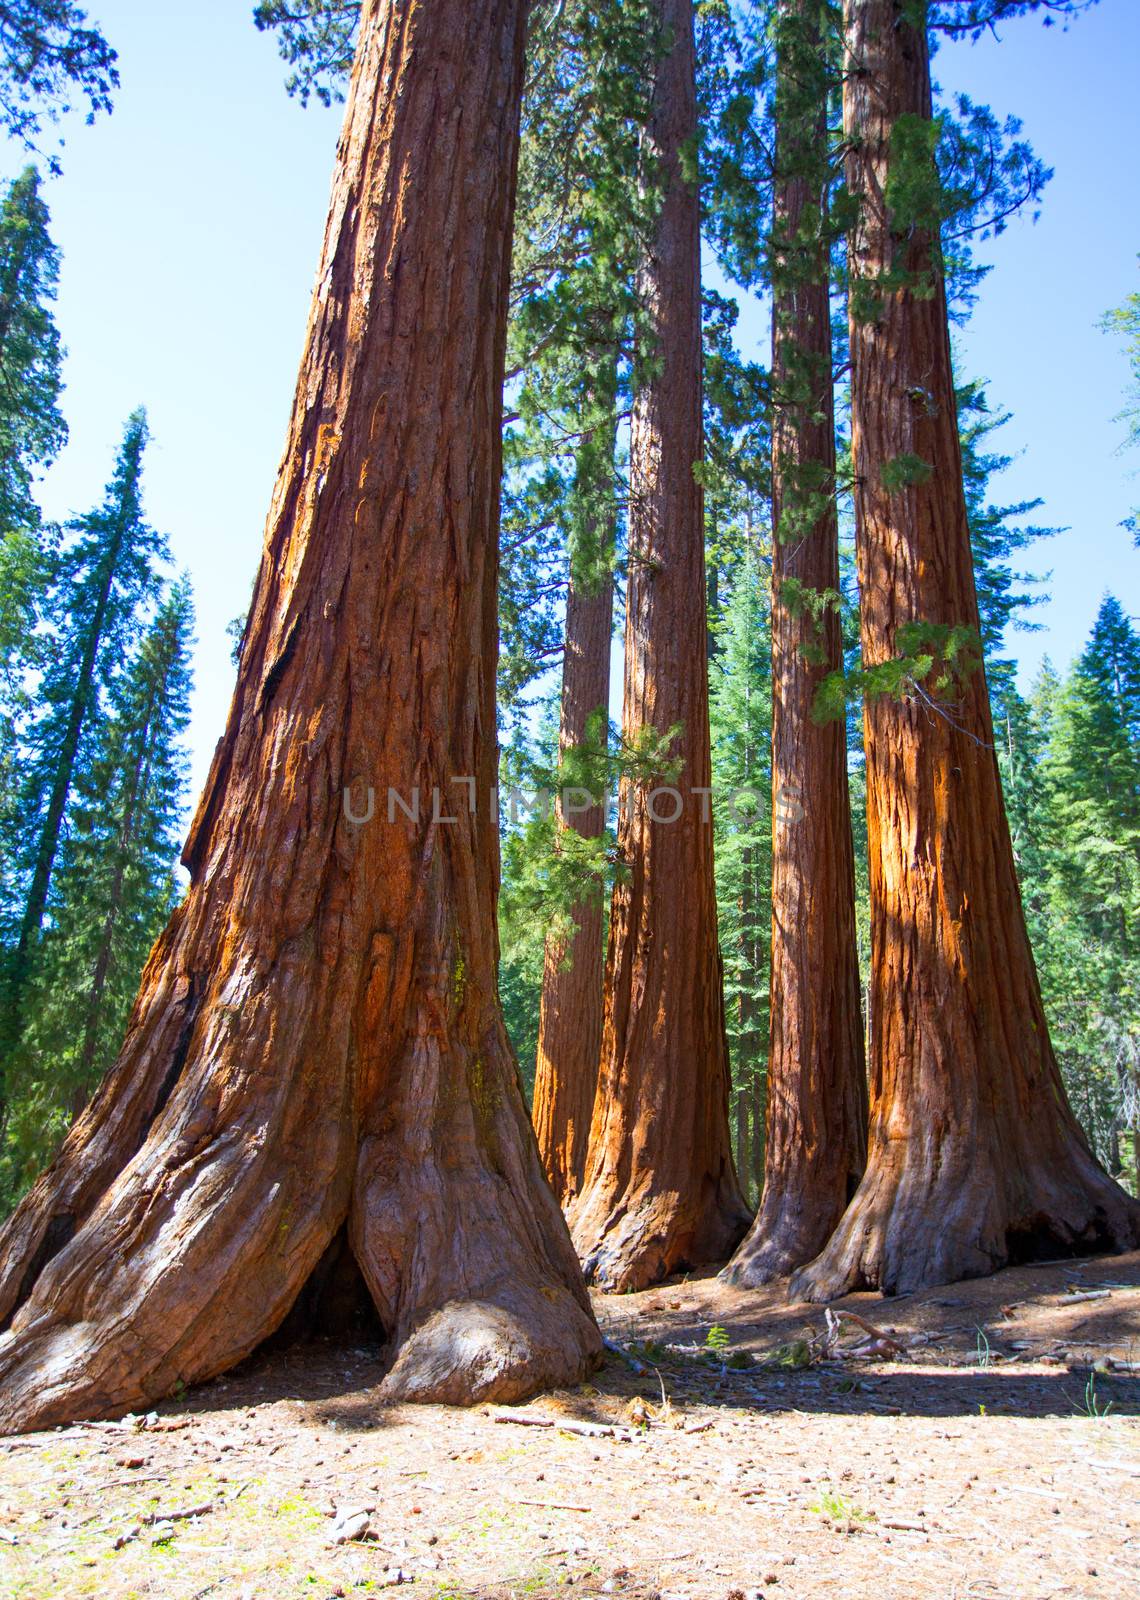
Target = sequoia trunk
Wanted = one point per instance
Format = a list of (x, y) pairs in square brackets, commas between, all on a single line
[(570, 1021), (318, 1041), (660, 1191), (817, 1080), (975, 1158)]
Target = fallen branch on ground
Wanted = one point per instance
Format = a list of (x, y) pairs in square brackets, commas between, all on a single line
[(877, 1343)]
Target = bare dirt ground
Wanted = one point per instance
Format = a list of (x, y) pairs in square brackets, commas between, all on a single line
[(991, 1449)]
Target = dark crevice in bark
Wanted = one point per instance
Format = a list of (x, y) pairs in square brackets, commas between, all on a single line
[(174, 1070), (59, 1232), (334, 1304), (1042, 1240)]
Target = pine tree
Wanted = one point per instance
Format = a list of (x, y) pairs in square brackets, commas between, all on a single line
[(31, 428), (106, 574), (998, 532), (114, 888), (1072, 771), (31, 432), (740, 707), (1094, 771)]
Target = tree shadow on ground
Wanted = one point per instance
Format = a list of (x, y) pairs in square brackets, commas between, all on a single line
[(1022, 1343)]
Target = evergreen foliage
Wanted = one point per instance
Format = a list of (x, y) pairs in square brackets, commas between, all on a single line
[(740, 714), (106, 575), (1071, 763), (113, 892), (48, 53), (31, 433)]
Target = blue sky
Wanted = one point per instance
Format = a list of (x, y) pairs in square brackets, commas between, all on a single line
[(190, 223)]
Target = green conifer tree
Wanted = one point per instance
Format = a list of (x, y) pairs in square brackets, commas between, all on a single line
[(107, 574), (113, 892), (740, 714), (31, 432)]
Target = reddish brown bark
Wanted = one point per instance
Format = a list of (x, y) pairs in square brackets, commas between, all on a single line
[(317, 1041), (975, 1158), (660, 1191), (570, 1021), (817, 1081)]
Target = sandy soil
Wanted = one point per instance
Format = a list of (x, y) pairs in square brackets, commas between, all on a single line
[(991, 1449)]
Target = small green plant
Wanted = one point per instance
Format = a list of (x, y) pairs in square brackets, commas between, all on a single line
[(1095, 1408), (984, 1352), (838, 1509), (717, 1341)]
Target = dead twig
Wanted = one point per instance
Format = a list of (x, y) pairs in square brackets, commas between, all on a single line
[(878, 1343), (588, 1430), (552, 1505), (178, 1516)]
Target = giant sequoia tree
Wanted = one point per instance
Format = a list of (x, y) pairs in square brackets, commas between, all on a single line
[(975, 1158), (817, 1085), (660, 1190), (318, 1045)]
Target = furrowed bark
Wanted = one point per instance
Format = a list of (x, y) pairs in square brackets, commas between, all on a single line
[(975, 1159), (570, 1020), (318, 1038), (817, 1080), (661, 1191)]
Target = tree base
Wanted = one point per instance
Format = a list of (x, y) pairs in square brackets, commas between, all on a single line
[(470, 1351), (503, 1347), (913, 1226), (638, 1242), (196, 1254), (785, 1236)]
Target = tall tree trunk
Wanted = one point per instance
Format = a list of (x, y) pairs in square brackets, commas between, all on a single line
[(817, 1080), (318, 1041), (975, 1157), (660, 1191), (570, 1020)]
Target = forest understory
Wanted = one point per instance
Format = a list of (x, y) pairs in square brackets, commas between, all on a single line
[(995, 1453)]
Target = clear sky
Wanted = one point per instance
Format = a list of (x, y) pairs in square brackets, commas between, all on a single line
[(191, 219)]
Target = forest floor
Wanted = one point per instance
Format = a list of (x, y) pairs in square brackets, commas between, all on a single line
[(990, 1449)]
